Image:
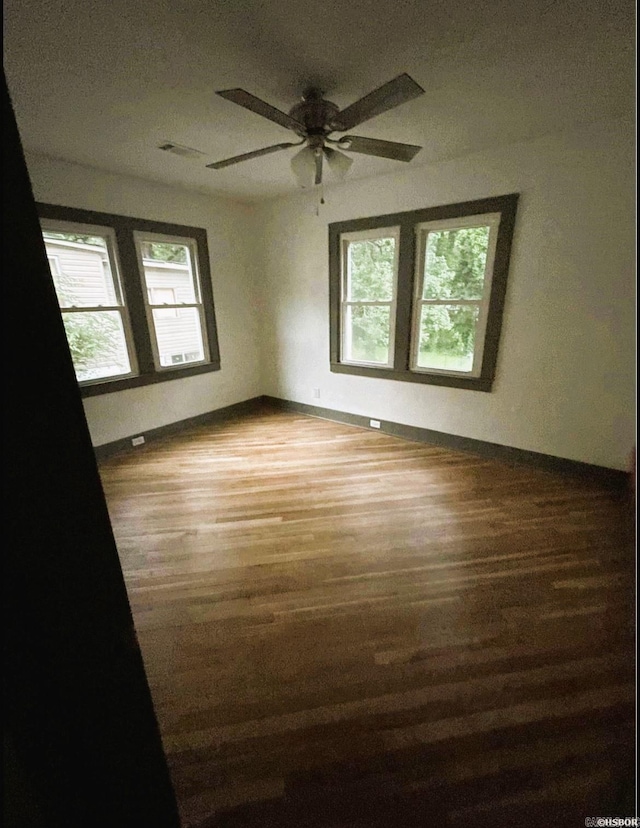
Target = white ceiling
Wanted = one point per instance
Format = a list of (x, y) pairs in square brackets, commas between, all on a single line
[(104, 83)]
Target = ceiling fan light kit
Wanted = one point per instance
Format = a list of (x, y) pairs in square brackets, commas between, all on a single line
[(314, 119)]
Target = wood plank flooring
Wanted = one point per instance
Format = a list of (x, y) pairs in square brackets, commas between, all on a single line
[(341, 628)]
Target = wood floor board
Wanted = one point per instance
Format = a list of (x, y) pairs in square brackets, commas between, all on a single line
[(342, 628)]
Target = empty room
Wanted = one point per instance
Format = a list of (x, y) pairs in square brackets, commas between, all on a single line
[(322, 455)]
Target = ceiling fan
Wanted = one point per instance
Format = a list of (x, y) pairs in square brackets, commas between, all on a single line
[(314, 119)]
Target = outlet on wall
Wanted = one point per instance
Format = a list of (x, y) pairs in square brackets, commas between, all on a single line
[(137, 441), (316, 393), (374, 423)]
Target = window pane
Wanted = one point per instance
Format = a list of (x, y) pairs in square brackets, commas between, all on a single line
[(97, 343), (447, 337), (455, 262), (367, 334), (370, 269), (81, 269), (168, 267), (179, 337), (163, 296)]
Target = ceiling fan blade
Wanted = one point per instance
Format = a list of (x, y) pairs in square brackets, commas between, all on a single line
[(375, 146), (318, 160), (248, 101), (247, 155), (391, 94), (339, 163)]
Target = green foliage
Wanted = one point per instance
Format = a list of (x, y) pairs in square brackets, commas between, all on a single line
[(455, 263), (79, 238), (93, 338), (165, 252), (371, 279), (371, 269), (370, 333), (448, 329)]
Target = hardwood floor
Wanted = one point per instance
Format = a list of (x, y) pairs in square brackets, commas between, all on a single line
[(341, 628)]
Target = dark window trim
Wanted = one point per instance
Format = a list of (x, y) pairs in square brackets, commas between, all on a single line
[(133, 288), (505, 205)]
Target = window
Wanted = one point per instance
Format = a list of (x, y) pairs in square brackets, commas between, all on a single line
[(135, 297), (174, 308), (453, 285), (85, 275), (418, 296), (369, 265)]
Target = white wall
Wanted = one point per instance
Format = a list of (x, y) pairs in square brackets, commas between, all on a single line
[(230, 232), (566, 366)]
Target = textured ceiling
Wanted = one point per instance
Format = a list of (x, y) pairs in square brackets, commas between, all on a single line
[(105, 83)]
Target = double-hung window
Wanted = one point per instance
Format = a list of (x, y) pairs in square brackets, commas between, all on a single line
[(175, 313), (86, 277), (369, 265), (452, 289), (418, 296), (135, 297)]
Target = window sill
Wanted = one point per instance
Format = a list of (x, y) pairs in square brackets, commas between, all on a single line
[(447, 380), (111, 386)]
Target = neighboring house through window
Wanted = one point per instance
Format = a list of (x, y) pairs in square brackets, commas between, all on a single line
[(135, 297), (175, 313), (54, 265), (86, 278), (163, 296), (418, 296)]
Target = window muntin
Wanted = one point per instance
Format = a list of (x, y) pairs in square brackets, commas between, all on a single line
[(369, 275), (84, 266), (169, 263), (454, 266)]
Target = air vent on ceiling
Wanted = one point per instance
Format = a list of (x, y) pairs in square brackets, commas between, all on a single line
[(178, 149)]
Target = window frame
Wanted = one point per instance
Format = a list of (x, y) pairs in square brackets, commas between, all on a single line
[(139, 239), (491, 220), (132, 286), (107, 233), (408, 260), (345, 302)]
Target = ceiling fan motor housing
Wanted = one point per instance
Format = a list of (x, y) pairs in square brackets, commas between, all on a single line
[(316, 114)]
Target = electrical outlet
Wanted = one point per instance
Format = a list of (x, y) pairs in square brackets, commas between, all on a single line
[(316, 393), (374, 423), (137, 441)]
